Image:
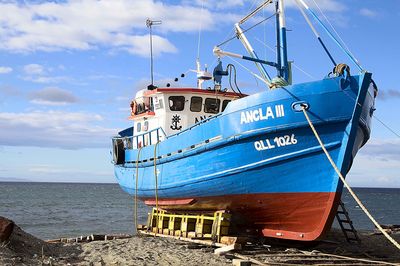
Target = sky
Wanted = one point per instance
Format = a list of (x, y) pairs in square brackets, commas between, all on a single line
[(68, 70)]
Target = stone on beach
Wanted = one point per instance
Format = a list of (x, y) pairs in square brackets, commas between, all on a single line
[(6, 228)]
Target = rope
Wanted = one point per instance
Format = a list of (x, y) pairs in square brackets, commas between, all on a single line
[(387, 127), (394, 242), (334, 30), (136, 188), (156, 182), (293, 64), (246, 30)]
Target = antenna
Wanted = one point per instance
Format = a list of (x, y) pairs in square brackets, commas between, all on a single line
[(149, 24)]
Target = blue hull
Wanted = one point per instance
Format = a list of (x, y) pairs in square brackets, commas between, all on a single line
[(261, 149)]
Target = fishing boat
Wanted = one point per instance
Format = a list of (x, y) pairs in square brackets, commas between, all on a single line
[(196, 149)]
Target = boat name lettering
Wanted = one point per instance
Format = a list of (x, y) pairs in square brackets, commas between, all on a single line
[(281, 141), (260, 114)]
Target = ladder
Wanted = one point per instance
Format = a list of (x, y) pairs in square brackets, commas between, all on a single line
[(346, 224)]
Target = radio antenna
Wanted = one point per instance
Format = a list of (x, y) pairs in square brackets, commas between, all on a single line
[(149, 24)]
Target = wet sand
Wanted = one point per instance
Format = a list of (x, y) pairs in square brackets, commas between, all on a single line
[(24, 249)]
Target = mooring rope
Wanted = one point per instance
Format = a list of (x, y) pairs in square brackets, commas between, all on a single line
[(136, 188), (394, 242), (156, 182)]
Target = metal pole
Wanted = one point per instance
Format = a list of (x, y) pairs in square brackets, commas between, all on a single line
[(250, 50), (282, 37), (149, 24), (151, 55), (331, 35), (278, 42), (315, 32)]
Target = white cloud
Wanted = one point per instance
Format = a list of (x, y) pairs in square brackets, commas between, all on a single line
[(58, 170), (52, 96), (47, 79), (139, 45), (368, 13), (117, 24), (41, 74), (388, 94), (382, 149), (377, 164), (5, 70), (34, 69), (89, 24), (69, 130), (325, 5)]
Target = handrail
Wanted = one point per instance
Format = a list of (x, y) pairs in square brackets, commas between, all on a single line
[(144, 139)]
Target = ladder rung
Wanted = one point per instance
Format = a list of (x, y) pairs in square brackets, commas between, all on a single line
[(345, 221), (348, 230)]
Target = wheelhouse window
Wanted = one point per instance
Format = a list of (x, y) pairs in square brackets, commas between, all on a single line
[(158, 103), (224, 104), (196, 104), (139, 127), (211, 105), (146, 126), (176, 103)]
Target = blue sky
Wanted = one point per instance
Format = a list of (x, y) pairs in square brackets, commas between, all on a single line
[(68, 70)]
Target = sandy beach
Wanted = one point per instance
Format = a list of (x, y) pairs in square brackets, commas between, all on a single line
[(24, 249)]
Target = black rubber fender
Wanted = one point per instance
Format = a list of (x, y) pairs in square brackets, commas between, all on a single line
[(118, 151)]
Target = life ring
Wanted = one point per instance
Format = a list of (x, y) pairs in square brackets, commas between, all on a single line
[(118, 151), (133, 107)]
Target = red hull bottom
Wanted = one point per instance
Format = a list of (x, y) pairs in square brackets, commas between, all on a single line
[(295, 216)]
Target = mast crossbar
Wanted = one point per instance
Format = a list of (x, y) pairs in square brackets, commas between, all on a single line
[(255, 11)]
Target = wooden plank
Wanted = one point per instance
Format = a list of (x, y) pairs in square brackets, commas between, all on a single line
[(197, 241), (229, 240), (240, 262), (226, 249)]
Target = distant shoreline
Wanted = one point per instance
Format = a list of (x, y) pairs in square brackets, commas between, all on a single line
[(49, 182), (115, 183)]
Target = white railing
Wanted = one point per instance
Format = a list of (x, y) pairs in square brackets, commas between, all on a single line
[(145, 139)]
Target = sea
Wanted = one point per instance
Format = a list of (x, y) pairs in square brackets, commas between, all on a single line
[(54, 210)]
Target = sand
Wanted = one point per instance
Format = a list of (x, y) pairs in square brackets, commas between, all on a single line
[(25, 249)]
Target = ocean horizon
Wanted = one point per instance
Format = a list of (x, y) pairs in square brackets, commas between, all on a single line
[(59, 209)]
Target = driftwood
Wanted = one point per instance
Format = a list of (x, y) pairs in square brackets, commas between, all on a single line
[(90, 238), (389, 228)]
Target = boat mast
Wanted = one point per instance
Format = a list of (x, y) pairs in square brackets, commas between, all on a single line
[(282, 45), (278, 43), (246, 43)]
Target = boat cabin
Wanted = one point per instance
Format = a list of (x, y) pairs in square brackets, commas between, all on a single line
[(163, 112)]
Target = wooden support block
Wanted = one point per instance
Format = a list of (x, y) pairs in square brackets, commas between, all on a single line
[(240, 262), (229, 240), (191, 234), (226, 249), (141, 226), (165, 231)]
